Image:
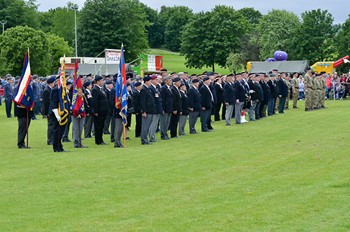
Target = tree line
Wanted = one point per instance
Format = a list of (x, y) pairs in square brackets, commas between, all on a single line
[(223, 36)]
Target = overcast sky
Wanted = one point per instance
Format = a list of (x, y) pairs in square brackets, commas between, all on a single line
[(338, 8)]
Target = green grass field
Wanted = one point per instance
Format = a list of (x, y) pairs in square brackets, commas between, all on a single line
[(283, 173), (174, 62)]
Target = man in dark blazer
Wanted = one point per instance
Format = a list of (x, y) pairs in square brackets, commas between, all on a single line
[(148, 109), (55, 119), (167, 104), (195, 106), (229, 99), (177, 108), (219, 89), (158, 101), (46, 107), (100, 108), (137, 108), (240, 98), (8, 94), (283, 92), (207, 100), (89, 114)]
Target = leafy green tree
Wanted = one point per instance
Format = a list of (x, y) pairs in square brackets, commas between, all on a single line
[(109, 23), (235, 62), (211, 36), (15, 42), (275, 31), (314, 38), (253, 16), (58, 48), (342, 42), (19, 13), (63, 22), (154, 30), (178, 17)]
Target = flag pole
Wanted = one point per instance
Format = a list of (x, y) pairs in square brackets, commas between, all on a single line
[(27, 127)]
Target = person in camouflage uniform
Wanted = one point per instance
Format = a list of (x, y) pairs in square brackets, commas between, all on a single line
[(289, 88), (324, 86), (318, 92), (295, 90), (308, 86)]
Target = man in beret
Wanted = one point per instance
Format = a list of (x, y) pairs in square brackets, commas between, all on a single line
[(137, 108), (89, 119), (100, 108), (65, 137), (295, 90), (148, 109), (110, 93), (308, 86), (283, 92), (159, 108), (46, 107), (207, 100), (177, 107), (194, 102), (167, 104)]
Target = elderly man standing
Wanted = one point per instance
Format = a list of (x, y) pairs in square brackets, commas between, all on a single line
[(148, 109), (100, 109)]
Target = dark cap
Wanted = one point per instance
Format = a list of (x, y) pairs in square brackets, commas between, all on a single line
[(137, 84), (182, 84), (97, 78), (146, 78), (206, 78), (195, 81), (86, 84), (163, 70), (109, 83), (51, 80), (176, 79)]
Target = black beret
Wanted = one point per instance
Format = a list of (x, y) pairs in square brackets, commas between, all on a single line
[(206, 78), (51, 79), (182, 84), (109, 82), (146, 78), (176, 79), (97, 78), (86, 84), (137, 84), (163, 70), (195, 81)]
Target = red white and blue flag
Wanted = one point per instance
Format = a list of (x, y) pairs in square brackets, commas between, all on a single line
[(121, 91), (78, 95), (23, 92)]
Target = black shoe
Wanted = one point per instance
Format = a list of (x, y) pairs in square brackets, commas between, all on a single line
[(174, 137), (145, 143), (49, 143), (66, 140), (127, 138), (107, 133), (153, 140), (23, 147), (165, 138), (103, 143), (89, 136), (118, 146)]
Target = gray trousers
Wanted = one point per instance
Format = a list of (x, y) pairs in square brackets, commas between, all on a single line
[(78, 124), (107, 123), (182, 124), (228, 115), (118, 132), (205, 117), (238, 111), (49, 129), (164, 125), (251, 111), (193, 117), (146, 124), (88, 126), (153, 127)]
